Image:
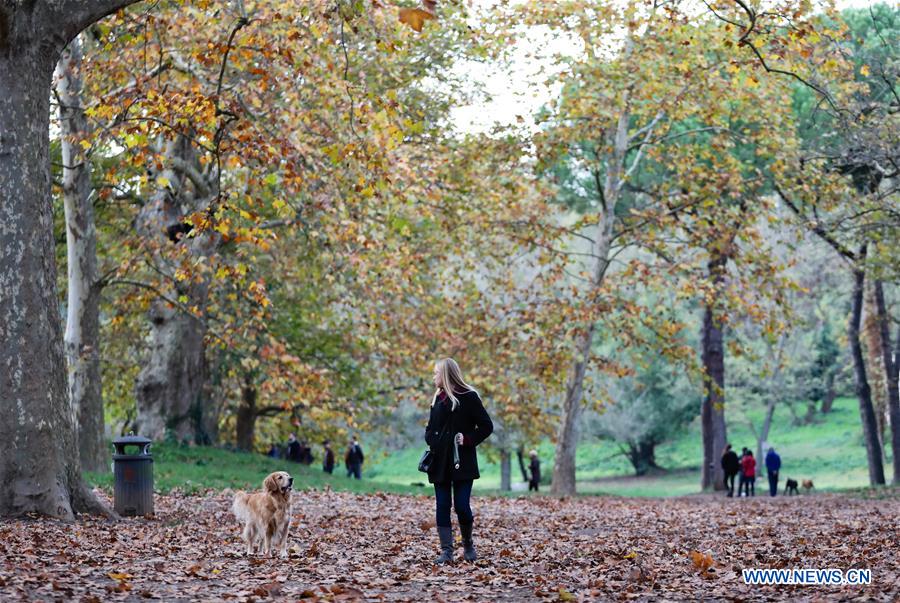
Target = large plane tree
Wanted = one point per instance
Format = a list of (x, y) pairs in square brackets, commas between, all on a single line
[(39, 462)]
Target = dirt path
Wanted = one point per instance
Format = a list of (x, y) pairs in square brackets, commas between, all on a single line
[(379, 547)]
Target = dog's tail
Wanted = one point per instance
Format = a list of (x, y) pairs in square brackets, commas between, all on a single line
[(239, 507)]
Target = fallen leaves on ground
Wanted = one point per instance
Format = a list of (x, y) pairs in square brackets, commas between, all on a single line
[(349, 547)]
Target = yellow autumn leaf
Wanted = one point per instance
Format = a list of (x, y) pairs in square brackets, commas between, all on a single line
[(414, 17), (701, 561), (864, 71), (116, 576)]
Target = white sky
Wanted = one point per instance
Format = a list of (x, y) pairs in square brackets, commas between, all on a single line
[(521, 90)]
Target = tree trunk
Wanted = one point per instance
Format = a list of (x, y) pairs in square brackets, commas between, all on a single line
[(891, 377), (505, 470), (863, 392), (811, 411), (642, 457), (39, 466), (568, 434), (828, 400), (712, 412), (874, 357), (82, 335), (172, 388), (245, 424), (764, 433), (567, 438), (520, 455)]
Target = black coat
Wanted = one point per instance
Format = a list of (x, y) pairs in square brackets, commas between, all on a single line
[(354, 455), (470, 419), (535, 470), (293, 452), (730, 463)]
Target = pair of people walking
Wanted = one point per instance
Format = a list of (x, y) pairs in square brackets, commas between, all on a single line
[(743, 467), (457, 424)]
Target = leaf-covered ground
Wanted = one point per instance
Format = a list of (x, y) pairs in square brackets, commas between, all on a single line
[(348, 546)]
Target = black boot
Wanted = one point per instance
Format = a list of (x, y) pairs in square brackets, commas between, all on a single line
[(446, 537), (468, 544)]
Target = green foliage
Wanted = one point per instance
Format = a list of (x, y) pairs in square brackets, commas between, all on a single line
[(871, 45), (648, 408), (824, 365)]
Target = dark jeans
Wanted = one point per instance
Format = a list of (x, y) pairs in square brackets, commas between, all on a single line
[(729, 483), (461, 493), (749, 485), (354, 470), (532, 485), (773, 483)]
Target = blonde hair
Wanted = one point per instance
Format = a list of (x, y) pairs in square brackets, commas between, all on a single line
[(452, 380)]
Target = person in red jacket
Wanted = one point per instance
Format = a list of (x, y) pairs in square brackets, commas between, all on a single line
[(748, 465)]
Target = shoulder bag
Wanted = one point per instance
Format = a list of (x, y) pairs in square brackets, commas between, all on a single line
[(427, 457)]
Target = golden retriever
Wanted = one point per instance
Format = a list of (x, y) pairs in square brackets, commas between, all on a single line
[(266, 515)]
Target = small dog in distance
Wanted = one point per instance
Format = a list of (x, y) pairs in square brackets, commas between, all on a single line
[(266, 515), (791, 486), (807, 485)]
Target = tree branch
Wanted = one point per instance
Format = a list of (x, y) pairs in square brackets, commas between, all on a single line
[(269, 411), (744, 40), (203, 187), (640, 147), (816, 227), (71, 17)]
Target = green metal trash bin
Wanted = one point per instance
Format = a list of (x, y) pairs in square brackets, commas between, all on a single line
[(133, 472)]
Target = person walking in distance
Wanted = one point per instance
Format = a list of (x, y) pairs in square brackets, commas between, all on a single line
[(730, 465), (773, 466), (353, 459), (457, 424), (535, 469), (328, 459), (293, 448), (748, 464)]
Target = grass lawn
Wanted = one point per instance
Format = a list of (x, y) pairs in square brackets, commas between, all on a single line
[(196, 469), (830, 452)]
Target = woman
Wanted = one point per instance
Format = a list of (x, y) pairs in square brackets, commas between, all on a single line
[(535, 480), (458, 422), (748, 465)]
